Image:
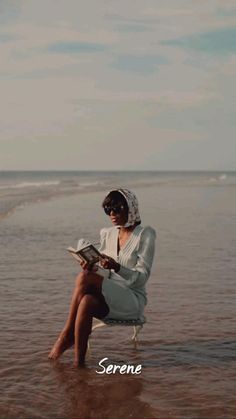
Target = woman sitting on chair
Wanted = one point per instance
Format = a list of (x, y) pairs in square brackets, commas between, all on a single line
[(116, 289)]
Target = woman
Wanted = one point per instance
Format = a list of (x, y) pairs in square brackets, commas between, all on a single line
[(116, 289)]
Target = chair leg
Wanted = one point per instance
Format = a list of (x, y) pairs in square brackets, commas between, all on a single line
[(95, 326), (100, 324), (134, 338), (136, 332)]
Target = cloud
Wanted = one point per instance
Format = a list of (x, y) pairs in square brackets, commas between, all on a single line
[(144, 64), (109, 75), (131, 27), (5, 37), (9, 11), (221, 41), (226, 11), (75, 47), (127, 24)]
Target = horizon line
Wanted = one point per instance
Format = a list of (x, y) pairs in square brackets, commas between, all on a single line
[(120, 171)]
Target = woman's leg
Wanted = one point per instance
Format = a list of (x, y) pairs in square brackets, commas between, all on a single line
[(86, 283), (90, 306)]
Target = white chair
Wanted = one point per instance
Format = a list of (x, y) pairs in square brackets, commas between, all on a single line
[(137, 326)]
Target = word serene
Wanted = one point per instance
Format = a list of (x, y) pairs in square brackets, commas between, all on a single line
[(121, 369)]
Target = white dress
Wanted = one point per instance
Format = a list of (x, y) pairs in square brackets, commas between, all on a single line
[(125, 291)]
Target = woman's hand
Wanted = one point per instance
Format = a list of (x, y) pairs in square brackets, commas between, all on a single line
[(88, 266), (109, 263)]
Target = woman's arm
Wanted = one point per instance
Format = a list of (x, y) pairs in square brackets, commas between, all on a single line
[(139, 274)]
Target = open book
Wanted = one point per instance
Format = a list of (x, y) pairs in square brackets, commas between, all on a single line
[(88, 254)]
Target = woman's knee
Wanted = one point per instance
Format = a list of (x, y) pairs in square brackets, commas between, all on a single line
[(88, 303), (89, 279), (93, 305)]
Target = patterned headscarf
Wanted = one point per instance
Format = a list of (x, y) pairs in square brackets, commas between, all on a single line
[(132, 203)]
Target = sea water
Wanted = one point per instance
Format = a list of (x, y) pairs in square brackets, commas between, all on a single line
[(186, 348)]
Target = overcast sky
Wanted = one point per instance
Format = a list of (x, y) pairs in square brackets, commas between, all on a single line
[(141, 84)]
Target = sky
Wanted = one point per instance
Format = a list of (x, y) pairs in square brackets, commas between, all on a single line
[(118, 85)]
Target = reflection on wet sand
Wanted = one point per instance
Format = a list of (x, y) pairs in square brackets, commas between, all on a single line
[(88, 395)]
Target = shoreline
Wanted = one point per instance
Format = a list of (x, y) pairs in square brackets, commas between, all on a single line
[(53, 195), (47, 196)]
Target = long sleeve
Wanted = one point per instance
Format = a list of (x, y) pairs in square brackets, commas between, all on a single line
[(138, 275)]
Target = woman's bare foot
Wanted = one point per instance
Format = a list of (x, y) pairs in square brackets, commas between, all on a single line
[(64, 341)]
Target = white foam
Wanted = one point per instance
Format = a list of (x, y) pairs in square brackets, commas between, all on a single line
[(87, 184), (30, 185)]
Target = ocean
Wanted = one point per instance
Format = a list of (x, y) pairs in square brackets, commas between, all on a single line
[(187, 348)]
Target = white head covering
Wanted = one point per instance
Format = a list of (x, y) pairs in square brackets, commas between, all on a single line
[(132, 203)]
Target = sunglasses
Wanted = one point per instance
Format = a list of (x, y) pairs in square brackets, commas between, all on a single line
[(117, 209)]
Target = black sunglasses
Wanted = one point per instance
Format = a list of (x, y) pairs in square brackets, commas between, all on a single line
[(117, 209)]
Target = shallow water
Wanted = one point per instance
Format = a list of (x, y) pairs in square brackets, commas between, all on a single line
[(187, 348)]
